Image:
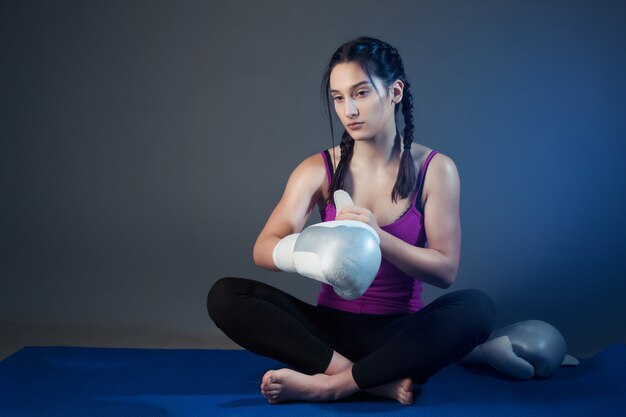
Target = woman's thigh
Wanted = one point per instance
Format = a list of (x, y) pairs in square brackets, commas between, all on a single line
[(454, 310), (419, 345), (273, 323)]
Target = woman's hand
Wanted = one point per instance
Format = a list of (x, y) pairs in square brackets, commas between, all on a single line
[(360, 214)]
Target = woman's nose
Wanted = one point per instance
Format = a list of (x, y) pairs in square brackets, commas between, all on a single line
[(351, 109)]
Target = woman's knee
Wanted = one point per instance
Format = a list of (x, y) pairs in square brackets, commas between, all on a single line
[(479, 312), (220, 297)]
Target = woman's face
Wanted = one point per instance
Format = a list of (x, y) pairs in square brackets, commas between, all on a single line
[(356, 100)]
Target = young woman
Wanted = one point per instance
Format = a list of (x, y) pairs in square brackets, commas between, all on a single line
[(386, 340)]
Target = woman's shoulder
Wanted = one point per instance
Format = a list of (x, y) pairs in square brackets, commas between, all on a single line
[(438, 161), (312, 166), (311, 173), (442, 174), (317, 162)]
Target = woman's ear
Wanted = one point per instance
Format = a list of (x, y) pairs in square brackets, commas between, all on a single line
[(397, 90)]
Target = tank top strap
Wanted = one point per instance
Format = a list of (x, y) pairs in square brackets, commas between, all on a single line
[(329, 166), (417, 199)]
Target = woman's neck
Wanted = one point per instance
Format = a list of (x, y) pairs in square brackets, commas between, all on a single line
[(378, 152)]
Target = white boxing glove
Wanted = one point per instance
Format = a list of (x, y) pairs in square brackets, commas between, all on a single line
[(343, 253)]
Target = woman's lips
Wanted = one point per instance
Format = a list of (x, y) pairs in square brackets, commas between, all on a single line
[(355, 125)]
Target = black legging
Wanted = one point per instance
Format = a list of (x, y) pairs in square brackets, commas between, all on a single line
[(384, 348)]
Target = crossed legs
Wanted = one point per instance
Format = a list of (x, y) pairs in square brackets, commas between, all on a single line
[(272, 323)]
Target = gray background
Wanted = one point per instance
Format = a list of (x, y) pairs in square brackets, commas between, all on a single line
[(144, 145)]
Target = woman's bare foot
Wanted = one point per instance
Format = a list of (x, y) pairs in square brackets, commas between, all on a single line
[(288, 385), (399, 390)]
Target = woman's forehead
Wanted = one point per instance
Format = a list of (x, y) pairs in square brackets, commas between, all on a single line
[(348, 75)]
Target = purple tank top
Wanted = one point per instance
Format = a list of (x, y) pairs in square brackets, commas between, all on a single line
[(392, 291)]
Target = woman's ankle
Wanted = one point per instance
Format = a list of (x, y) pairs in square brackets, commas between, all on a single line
[(340, 385), (338, 364)]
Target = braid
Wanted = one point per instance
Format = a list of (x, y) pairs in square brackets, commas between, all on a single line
[(407, 112), (346, 145), (406, 180)]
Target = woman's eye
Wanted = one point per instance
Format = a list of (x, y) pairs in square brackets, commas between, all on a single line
[(362, 91), (337, 98)]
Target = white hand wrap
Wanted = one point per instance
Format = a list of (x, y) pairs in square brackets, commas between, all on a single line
[(283, 253)]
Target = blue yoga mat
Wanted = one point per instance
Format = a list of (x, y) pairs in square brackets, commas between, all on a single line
[(71, 381)]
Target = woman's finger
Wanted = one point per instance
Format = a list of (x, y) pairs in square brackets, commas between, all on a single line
[(352, 216)]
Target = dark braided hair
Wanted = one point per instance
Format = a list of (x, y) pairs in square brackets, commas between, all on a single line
[(383, 60)]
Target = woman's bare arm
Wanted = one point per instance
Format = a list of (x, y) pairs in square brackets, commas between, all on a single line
[(439, 263), (301, 194)]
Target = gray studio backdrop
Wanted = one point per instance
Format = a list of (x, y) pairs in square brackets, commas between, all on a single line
[(144, 145)]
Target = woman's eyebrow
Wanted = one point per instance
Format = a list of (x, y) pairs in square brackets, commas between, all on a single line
[(353, 87)]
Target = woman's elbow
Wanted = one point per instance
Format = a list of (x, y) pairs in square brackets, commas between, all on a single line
[(258, 252), (262, 255), (448, 276), (255, 256), (451, 274), (447, 282)]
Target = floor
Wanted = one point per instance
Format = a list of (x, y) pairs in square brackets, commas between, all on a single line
[(14, 336)]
